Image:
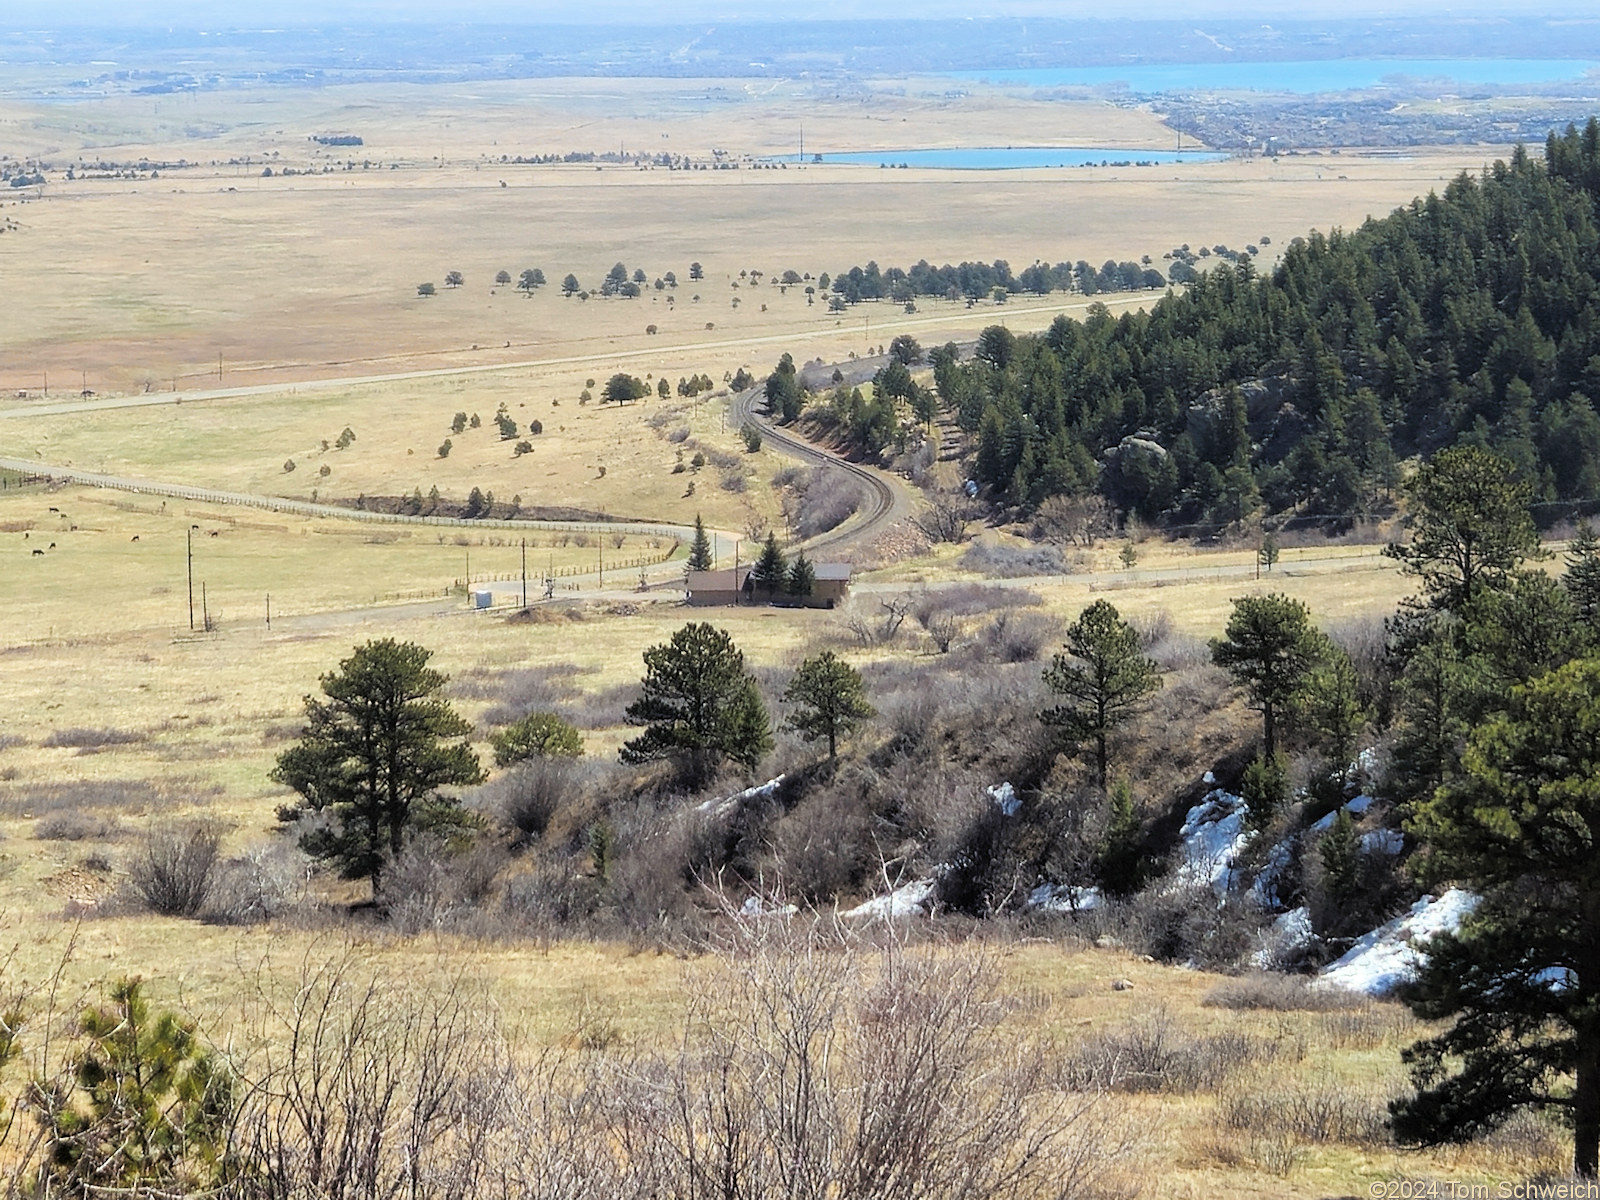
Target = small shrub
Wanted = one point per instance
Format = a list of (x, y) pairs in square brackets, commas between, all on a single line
[(90, 739), (537, 735), (1011, 562), (264, 883), (1154, 1055), (172, 871), (1262, 990), (77, 827)]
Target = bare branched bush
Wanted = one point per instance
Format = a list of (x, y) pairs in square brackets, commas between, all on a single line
[(527, 797), (1018, 635), (432, 885), (1075, 520), (265, 882), (78, 827), (1154, 1055), (172, 870), (1004, 561), (1262, 990), (1332, 1114), (86, 740), (945, 516)]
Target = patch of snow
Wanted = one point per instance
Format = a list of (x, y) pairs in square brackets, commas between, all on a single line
[(1005, 797), (762, 791), (1213, 834), (1383, 841), (1389, 956), (1264, 891), (1354, 807), (1284, 941), (760, 906), (1209, 779), (1063, 898), (908, 900)]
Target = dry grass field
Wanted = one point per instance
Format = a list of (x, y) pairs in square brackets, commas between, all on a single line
[(118, 718), (143, 282)]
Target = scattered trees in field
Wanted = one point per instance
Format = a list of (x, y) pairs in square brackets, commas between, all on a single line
[(502, 278), (426, 289), (454, 279), (570, 285)]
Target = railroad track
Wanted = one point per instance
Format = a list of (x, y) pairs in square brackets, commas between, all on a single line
[(886, 502)]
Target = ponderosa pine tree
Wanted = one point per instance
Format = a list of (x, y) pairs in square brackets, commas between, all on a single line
[(374, 756), (770, 572), (1269, 648), (1102, 679), (1470, 526), (1520, 980), (698, 705), (830, 700)]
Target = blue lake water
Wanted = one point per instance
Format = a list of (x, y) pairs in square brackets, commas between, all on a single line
[(1331, 75), (1000, 158)]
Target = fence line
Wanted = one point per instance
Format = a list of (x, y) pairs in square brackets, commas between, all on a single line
[(312, 509)]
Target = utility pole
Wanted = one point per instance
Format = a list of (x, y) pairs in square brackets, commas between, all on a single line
[(524, 572), (205, 609), (736, 570), (602, 546), (190, 536), (269, 610)]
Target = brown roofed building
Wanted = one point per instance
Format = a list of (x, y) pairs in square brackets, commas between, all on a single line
[(712, 588)]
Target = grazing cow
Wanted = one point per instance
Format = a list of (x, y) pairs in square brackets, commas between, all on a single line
[(135, 537), (54, 509), (215, 532), (38, 553), (52, 545)]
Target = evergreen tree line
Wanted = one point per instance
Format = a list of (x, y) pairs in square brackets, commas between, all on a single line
[(978, 280), (1466, 317)]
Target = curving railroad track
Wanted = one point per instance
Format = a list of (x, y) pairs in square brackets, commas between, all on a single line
[(887, 500)]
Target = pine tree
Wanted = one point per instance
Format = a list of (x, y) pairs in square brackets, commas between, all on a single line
[(1339, 852), (374, 755), (770, 571), (1470, 526), (1269, 648), (1264, 789), (802, 580), (1521, 978), (700, 548), (1334, 713), (1118, 866), (831, 700), (698, 705), (1103, 678), (1583, 578), (156, 1108)]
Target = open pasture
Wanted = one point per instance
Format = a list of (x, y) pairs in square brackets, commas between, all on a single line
[(127, 284)]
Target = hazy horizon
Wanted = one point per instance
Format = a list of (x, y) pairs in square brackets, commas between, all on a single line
[(158, 13)]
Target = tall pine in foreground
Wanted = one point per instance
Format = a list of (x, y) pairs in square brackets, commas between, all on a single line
[(374, 755), (1520, 980), (700, 548)]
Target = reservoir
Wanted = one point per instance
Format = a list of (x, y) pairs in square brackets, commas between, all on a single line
[(1307, 78), (1001, 158)]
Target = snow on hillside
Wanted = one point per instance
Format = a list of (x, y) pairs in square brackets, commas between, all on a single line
[(1212, 836), (727, 804), (1389, 956), (908, 900)]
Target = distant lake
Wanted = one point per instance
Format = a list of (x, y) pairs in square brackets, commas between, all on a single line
[(1001, 158), (1331, 75)]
